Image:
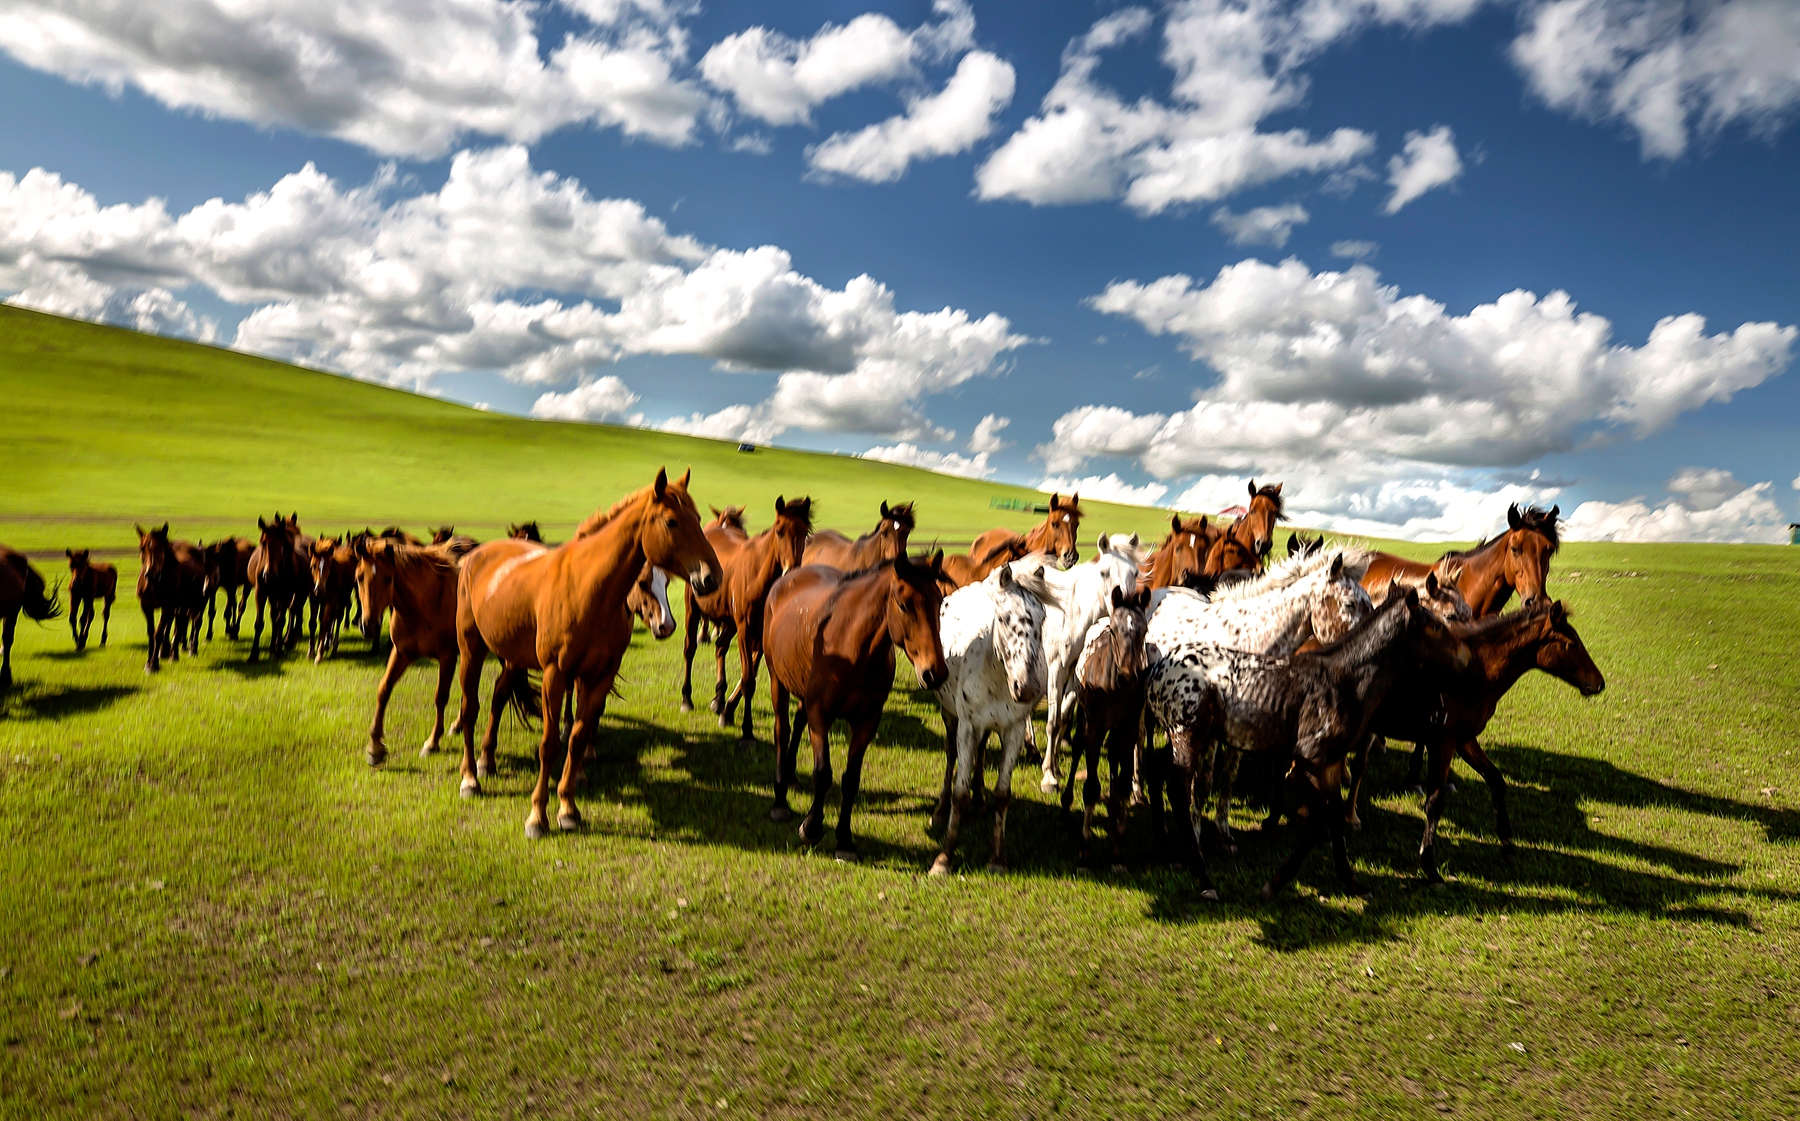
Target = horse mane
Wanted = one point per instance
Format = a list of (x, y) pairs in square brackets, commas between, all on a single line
[(1534, 518), (1353, 645), (1505, 620), (902, 512), (1285, 573), (439, 557), (1037, 580), (597, 521)]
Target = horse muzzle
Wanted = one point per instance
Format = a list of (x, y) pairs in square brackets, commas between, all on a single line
[(933, 677), (704, 580)]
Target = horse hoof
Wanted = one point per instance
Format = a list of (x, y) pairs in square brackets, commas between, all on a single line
[(569, 822), (470, 788), (535, 830), (1354, 823), (376, 755), (998, 867), (716, 705), (429, 747), (844, 856), (781, 815), (485, 769), (810, 831), (1121, 870), (1357, 890), (941, 866), (1049, 785)]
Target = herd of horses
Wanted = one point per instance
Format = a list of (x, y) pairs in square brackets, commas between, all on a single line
[(1179, 663)]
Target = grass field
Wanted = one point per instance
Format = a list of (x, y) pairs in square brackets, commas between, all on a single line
[(209, 905)]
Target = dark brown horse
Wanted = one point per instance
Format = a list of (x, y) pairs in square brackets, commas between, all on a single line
[(418, 584), (749, 568), (1058, 534), (885, 542), (562, 611), (830, 639), (281, 583), (732, 516), (1448, 711), (227, 570), (171, 579), (89, 581), (22, 588), (333, 567), (1488, 574), (525, 531), (1182, 554), (442, 534)]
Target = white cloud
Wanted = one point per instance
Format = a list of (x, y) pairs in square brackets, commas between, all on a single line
[(401, 290), (402, 79), (1354, 250), (734, 422), (1665, 68), (1428, 161), (606, 398), (940, 125), (1708, 505), (1235, 63), (1105, 488), (1797, 482), (781, 80), (987, 434), (1264, 225), (944, 463)]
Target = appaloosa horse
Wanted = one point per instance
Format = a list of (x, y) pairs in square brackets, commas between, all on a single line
[(749, 567), (1059, 534), (562, 611), (171, 579), (22, 588), (885, 542), (830, 637), (89, 581)]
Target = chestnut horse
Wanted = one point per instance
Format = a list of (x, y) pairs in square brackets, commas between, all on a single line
[(1058, 534), (227, 570), (830, 639), (1516, 560), (750, 566), (333, 568), (418, 584), (1230, 555), (562, 611), (1182, 554), (89, 581), (885, 542), (22, 588), (171, 579), (962, 569), (1255, 531)]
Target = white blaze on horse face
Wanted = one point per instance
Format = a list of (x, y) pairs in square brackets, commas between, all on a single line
[(659, 588)]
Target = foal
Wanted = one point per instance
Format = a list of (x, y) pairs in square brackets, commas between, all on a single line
[(278, 576), (89, 581), (419, 586), (333, 567), (1109, 683)]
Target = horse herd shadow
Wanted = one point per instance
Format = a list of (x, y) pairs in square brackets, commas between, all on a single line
[(36, 701)]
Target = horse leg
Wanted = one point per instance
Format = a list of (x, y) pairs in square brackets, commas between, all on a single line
[(74, 624), (690, 642), (1335, 827), (256, 635), (1054, 726), (1077, 744), (787, 746), (812, 825), (1183, 771), (1224, 776), (860, 735), (396, 669), (940, 817), (1436, 782), (749, 662), (1415, 766), (6, 640), (1012, 743), (1156, 770), (722, 647), (537, 823), (1496, 784), (446, 673), (1122, 752), (154, 662), (1309, 804), (963, 743), (106, 620), (471, 653), (1087, 747), (504, 683), (1359, 770), (587, 718)]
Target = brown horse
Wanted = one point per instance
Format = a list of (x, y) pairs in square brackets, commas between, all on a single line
[(562, 611), (418, 584), (227, 570), (442, 534), (525, 531), (962, 569), (830, 638), (732, 516), (750, 566), (1448, 711), (1516, 560), (1255, 531), (89, 581), (1182, 554), (171, 579), (885, 542), (22, 588), (279, 579), (1058, 534), (1230, 556), (333, 567)]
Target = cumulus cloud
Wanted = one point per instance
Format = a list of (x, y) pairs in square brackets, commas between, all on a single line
[(400, 290), (1264, 225), (1706, 505), (986, 437), (1354, 250), (401, 79), (1667, 69), (606, 398), (781, 80), (1428, 161), (940, 125), (944, 463), (1235, 62), (1105, 488), (734, 422)]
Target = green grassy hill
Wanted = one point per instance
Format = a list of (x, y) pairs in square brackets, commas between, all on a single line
[(211, 907)]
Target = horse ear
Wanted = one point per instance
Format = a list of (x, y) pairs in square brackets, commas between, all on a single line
[(1558, 613), (1412, 598), (780, 506), (1202, 521), (1006, 576), (1101, 541), (661, 485), (1252, 488), (1142, 600), (1278, 487), (1293, 543), (1174, 523), (716, 512), (1431, 584), (1337, 565), (70, 553), (884, 510), (164, 530), (937, 560), (1133, 540), (685, 476), (1074, 500), (1512, 516), (1555, 510)]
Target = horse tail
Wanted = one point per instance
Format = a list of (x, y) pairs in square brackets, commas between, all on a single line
[(40, 604), (524, 698)]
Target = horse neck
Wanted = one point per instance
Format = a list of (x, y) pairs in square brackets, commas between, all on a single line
[(1484, 583), (1369, 649), (610, 558), (416, 588), (762, 561), (1508, 651)]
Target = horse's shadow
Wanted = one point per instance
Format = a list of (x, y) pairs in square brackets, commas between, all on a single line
[(29, 701)]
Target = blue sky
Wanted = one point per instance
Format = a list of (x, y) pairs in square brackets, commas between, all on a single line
[(1152, 251)]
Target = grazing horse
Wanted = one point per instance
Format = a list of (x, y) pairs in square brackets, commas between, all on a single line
[(830, 639), (333, 566), (89, 581), (227, 570), (963, 569), (750, 566), (885, 542), (992, 635), (171, 579), (1082, 597), (22, 588), (1448, 712), (279, 578), (418, 584), (1311, 708), (1255, 531), (1488, 574), (1182, 555), (562, 611), (1058, 534), (1109, 684)]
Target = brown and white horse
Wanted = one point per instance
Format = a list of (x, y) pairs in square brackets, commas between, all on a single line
[(885, 542), (562, 611)]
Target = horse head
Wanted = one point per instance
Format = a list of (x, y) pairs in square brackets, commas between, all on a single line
[(525, 531), (915, 600), (374, 580), (671, 537), (1531, 540), (1257, 526), (895, 528), (1060, 534), (1429, 638), (153, 550), (1126, 618), (1182, 554), (793, 524), (649, 601), (1019, 600), (1230, 554), (1119, 559), (1563, 655), (1341, 604)]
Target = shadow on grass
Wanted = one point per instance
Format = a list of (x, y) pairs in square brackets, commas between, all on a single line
[(30, 701)]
